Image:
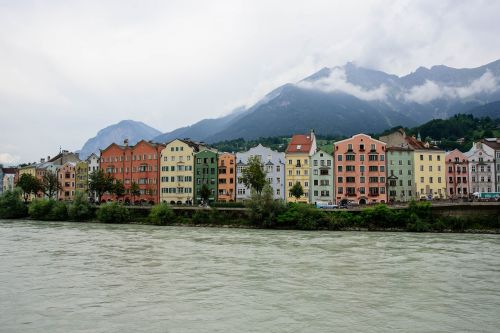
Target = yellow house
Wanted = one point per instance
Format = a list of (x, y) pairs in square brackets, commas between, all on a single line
[(297, 168), (31, 170), (430, 173), (177, 171)]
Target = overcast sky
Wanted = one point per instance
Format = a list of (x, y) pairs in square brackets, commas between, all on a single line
[(70, 68)]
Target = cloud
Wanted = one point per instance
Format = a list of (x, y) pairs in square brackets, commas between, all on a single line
[(6, 158), (337, 82), (431, 90)]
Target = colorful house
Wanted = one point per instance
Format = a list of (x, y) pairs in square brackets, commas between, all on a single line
[(297, 156), (273, 164), (400, 175), (82, 176), (28, 169), (177, 171), (8, 179), (227, 177), (322, 178), (492, 147), (67, 179), (137, 164), (205, 174), (457, 174), (481, 168), (360, 173)]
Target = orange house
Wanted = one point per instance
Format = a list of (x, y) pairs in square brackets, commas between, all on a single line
[(227, 177), (66, 176), (360, 173), (138, 164)]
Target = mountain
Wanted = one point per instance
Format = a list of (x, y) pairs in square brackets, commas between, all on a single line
[(349, 99), (132, 130), (491, 110)]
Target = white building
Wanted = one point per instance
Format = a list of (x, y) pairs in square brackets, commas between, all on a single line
[(481, 168)]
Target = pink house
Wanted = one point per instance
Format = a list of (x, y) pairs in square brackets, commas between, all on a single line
[(457, 171), (360, 171)]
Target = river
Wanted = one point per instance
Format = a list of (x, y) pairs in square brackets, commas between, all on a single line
[(87, 277)]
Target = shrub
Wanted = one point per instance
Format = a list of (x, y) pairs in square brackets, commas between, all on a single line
[(12, 206), (302, 216), (40, 208), (264, 209), (201, 216), (48, 210), (417, 224), (162, 214), (113, 212), (79, 209)]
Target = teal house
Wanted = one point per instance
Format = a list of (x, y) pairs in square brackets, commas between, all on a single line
[(205, 173)]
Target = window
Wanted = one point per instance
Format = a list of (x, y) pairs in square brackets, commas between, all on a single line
[(340, 179), (350, 157), (430, 157), (350, 168), (372, 157), (339, 157), (421, 157)]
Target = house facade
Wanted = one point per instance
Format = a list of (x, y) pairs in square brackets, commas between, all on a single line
[(273, 163), (322, 177), (205, 173), (227, 177), (137, 164), (360, 173), (492, 147), (457, 174), (8, 179), (177, 171), (297, 156), (67, 179), (481, 169), (400, 175), (82, 177)]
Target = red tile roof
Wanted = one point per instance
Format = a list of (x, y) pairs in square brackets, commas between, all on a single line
[(300, 144)]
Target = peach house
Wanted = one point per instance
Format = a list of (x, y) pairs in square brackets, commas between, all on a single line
[(360, 171), (456, 174)]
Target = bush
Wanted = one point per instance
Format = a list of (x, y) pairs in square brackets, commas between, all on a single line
[(113, 212), (162, 214), (264, 209), (48, 210), (12, 206), (302, 216), (417, 224), (79, 209)]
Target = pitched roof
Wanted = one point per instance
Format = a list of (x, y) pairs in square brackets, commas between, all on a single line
[(9, 170), (493, 143), (300, 143)]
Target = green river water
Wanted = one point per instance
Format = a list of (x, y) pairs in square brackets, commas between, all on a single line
[(86, 277)]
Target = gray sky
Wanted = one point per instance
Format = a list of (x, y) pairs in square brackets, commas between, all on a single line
[(70, 68)]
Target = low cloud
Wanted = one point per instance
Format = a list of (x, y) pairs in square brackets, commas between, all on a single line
[(431, 90), (337, 82), (6, 158)]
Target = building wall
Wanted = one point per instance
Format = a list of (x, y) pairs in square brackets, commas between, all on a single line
[(8, 181), (400, 175), (360, 173), (1, 178), (31, 169), (481, 169), (205, 172), (430, 175), (297, 171), (93, 162), (177, 172), (134, 164), (322, 178), (82, 177), (67, 178), (273, 163), (457, 174), (227, 177)]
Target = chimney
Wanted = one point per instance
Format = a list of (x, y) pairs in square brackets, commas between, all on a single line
[(42, 160), (125, 142), (48, 158)]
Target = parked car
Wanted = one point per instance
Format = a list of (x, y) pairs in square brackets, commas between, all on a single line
[(326, 205)]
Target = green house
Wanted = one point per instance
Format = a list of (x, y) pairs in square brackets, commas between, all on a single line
[(205, 173), (400, 177)]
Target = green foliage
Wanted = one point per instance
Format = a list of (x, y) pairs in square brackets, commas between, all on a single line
[(230, 204), (253, 175), (297, 190), (303, 216), (264, 209), (48, 210), (50, 184), (135, 190), (100, 183), (29, 184), (118, 188), (208, 216), (11, 205), (113, 212), (162, 214), (79, 209), (205, 193)]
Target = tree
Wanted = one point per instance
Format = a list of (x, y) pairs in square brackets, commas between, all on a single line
[(100, 183), (297, 191), (29, 185), (118, 188), (254, 176), (205, 193), (50, 184), (264, 209), (135, 191)]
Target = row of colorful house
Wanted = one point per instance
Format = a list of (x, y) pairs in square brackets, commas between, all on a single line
[(360, 169)]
